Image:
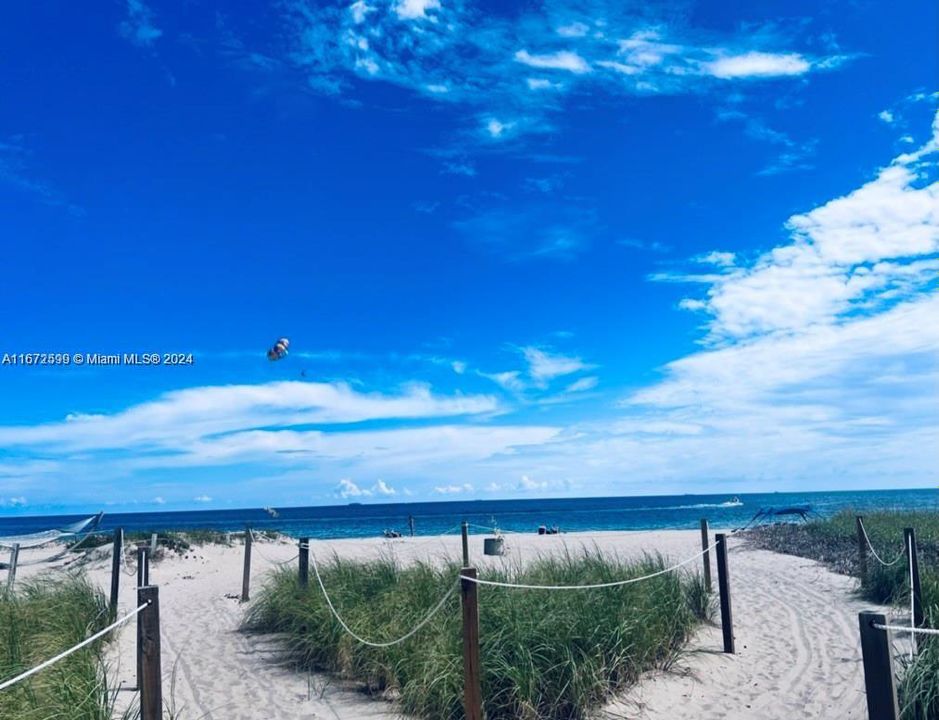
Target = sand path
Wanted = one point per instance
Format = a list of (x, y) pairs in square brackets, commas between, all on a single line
[(797, 655)]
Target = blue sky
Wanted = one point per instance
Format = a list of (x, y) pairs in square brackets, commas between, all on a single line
[(551, 248)]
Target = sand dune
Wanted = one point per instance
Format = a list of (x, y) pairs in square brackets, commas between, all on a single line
[(797, 655)]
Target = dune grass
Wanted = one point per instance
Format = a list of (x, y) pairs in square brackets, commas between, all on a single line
[(834, 541), (544, 654), (39, 620)]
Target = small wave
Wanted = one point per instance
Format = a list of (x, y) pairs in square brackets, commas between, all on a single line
[(728, 504)]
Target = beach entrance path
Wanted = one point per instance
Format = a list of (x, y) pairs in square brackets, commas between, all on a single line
[(798, 651), (211, 670), (797, 640)]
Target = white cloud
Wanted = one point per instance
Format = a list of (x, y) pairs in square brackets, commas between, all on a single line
[(383, 488), (867, 249), (527, 484), (495, 128), (459, 367), (542, 84), (453, 489), (509, 380), (415, 9), (758, 65), (717, 258), (544, 366), (346, 489), (621, 68), (561, 60), (886, 116), (159, 500), (12, 502), (202, 499), (182, 416), (139, 27), (451, 52), (573, 30), (360, 10), (582, 385)]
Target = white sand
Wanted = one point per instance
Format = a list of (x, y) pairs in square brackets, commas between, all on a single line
[(798, 651)]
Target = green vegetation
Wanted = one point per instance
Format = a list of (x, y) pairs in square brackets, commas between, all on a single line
[(834, 541), (544, 654), (41, 619), (179, 541)]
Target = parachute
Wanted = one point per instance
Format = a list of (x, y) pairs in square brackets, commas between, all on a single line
[(279, 350)]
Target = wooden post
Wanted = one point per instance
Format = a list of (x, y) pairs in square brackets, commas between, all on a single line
[(705, 542), (246, 577), (464, 530), (878, 668), (912, 563), (11, 573), (723, 584), (472, 676), (861, 551), (116, 555), (149, 679), (153, 543), (143, 566), (304, 575)]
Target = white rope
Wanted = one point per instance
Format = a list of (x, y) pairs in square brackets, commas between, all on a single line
[(905, 629), (614, 583), (255, 542), (51, 661), (874, 552), (362, 640), (594, 586)]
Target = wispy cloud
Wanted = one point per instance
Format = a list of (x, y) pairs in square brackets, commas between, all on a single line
[(543, 366), (857, 254), (452, 53), (16, 172), (346, 488), (546, 230), (791, 154), (139, 27), (758, 65)]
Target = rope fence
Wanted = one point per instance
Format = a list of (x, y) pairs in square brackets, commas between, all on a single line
[(595, 586), (905, 629), (61, 656), (874, 552), (413, 631)]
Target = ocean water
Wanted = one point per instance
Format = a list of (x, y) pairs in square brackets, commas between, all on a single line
[(568, 514)]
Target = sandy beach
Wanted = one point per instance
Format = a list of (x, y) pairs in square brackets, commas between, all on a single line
[(797, 655)]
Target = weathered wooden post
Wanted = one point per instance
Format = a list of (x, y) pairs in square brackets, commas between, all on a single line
[(11, 573), (464, 531), (916, 588), (723, 584), (149, 678), (878, 668), (472, 676), (116, 556), (705, 543), (304, 575), (246, 576), (154, 539), (861, 551)]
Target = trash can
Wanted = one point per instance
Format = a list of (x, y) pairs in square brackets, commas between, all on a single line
[(493, 546)]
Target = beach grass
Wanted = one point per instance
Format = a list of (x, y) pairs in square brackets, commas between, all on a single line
[(833, 541), (43, 617), (544, 654)]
